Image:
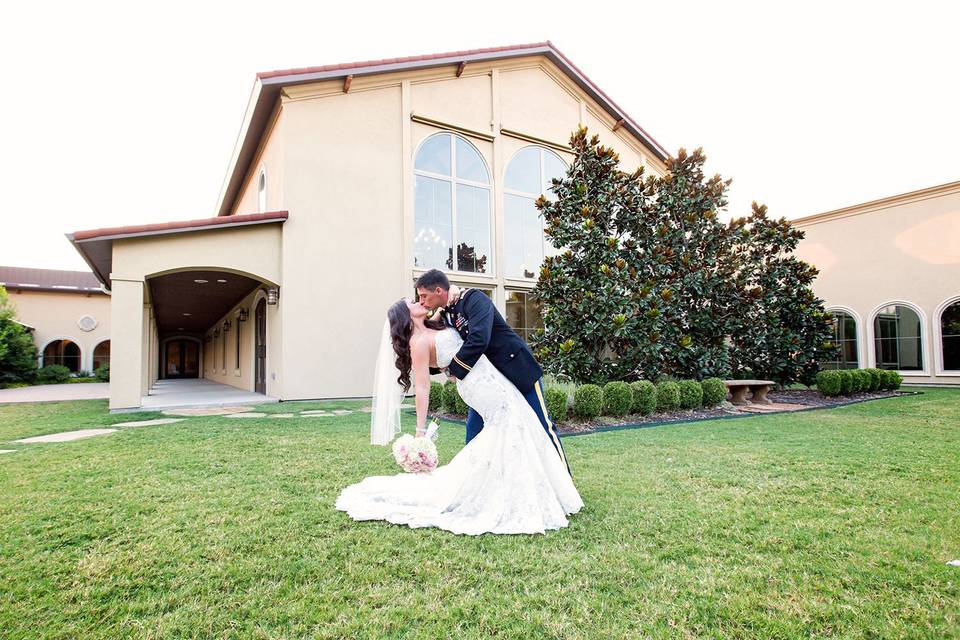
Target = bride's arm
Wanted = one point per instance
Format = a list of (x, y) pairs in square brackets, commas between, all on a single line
[(420, 370)]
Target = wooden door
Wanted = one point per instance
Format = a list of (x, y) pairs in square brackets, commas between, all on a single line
[(182, 359), (260, 351)]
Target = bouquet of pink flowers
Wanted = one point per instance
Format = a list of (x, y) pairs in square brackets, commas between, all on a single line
[(415, 455)]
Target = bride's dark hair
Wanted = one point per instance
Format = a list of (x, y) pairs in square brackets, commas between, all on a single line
[(401, 328)]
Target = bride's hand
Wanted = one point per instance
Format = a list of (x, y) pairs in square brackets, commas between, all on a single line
[(421, 433)]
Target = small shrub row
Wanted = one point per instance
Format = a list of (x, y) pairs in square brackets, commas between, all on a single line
[(615, 399), (843, 382)]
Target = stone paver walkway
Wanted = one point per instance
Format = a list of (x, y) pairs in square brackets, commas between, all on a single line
[(56, 392), (148, 423), (67, 436), (206, 411), (249, 414)]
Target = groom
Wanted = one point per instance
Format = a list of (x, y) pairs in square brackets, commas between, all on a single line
[(485, 332)]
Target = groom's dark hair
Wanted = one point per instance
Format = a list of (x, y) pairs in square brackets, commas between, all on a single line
[(433, 279)]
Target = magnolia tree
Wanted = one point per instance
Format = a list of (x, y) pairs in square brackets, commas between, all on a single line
[(18, 354), (648, 282)]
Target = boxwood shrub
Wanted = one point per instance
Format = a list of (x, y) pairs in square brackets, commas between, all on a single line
[(452, 402), (855, 380), (644, 397), (890, 380), (846, 381), (828, 382), (556, 400), (103, 373), (714, 392), (617, 399), (436, 396), (874, 378), (587, 401), (668, 395), (691, 394), (52, 374)]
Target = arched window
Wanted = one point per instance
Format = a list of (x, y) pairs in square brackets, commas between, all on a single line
[(528, 177), (262, 192), (451, 206), (950, 337), (65, 352), (101, 354), (897, 339), (845, 337)]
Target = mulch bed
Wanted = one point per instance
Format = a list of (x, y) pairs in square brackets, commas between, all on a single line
[(806, 398)]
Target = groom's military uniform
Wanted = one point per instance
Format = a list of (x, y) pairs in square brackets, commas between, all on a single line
[(485, 332)]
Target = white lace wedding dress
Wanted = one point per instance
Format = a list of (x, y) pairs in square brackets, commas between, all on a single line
[(509, 479)]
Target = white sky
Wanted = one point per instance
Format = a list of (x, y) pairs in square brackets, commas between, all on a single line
[(124, 113)]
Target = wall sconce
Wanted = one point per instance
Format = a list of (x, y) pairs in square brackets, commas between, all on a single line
[(216, 332), (226, 326), (273, 295), (242, 316)]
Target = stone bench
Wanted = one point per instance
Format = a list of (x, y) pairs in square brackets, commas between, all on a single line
[(758, 390)]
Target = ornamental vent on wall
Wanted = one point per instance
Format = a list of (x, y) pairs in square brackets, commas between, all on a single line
[(87, 323)]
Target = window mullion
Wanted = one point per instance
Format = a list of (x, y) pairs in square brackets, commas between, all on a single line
[(454, 262)]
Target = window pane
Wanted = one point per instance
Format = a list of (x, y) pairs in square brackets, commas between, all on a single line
[(898, 344), (433, 230), (524, 237), (473, 228), (516, 312), (950, 329), (553, 167), (434, 155), (523, 174), (470, 165)]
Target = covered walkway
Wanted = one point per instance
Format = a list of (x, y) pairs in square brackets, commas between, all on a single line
[(199, 392)]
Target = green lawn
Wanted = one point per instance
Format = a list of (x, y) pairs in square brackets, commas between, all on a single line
[(834, 523)]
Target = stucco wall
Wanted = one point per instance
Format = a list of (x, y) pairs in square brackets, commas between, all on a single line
[(55, 315), (269, 159), (905, 251)]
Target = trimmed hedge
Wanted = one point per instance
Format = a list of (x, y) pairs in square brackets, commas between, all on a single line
[(668, 395), (644, 397), (617, 399), (436, 396), (103, 373), (52, 374), (587, 401), (846, 382), (856, 381), (828, 382), (890, 380), (691, 394), (556, 400), (874, 378), (714, 391), (452, 402)]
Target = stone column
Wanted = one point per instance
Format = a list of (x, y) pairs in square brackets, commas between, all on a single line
[(127, 342)]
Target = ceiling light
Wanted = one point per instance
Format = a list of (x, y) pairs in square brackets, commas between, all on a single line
[(187, 314), (201, 281), (220, 280), (179, 328)]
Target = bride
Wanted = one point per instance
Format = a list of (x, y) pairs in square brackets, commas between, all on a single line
[(508, 479)]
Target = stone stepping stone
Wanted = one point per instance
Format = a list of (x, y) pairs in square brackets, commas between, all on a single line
[(408, 406), (8, 450), (247, 414), (281, 415), (954, 563), (342, 412), (367, 410), (148, 423), (318, 415), (206, 411), (67, 436), (315, 412)]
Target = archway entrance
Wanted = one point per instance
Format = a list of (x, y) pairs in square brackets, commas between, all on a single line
[(181, 359), (64, 352)]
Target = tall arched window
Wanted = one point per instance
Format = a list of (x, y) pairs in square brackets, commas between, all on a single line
[(262, 192), (897, 340), (845, 337), (950, 337), (528, 177), (451, 206)]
